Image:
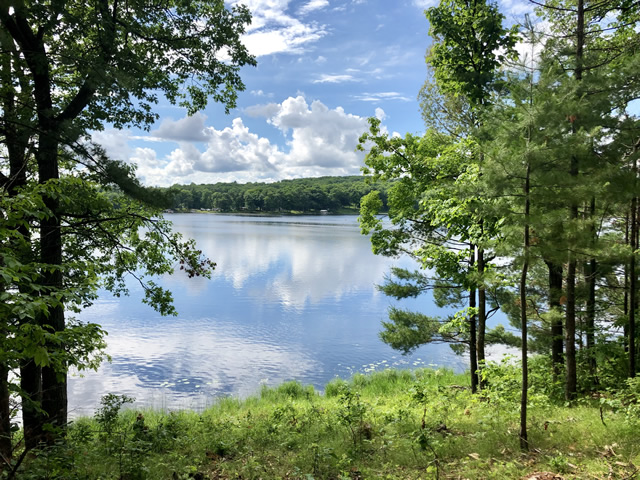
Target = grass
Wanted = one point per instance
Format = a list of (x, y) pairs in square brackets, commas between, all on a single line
[(392, 424)]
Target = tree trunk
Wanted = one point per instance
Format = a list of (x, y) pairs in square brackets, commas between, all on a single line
[(54, 383), (31, 398), (633, 280), (625, 307), (592, 268), (524, 441), (482, 309), (473, 359), (571, 378), (557, 339), (5, 417)]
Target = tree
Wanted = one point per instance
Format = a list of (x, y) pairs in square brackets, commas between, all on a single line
[(430, 221), (470, 43), (69, 68)]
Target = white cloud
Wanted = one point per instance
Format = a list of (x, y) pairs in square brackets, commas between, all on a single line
[(381, 96), (260, 93), (182, 160), (146, 158), (313, 5), (273, 30), (318, 141), (235, 149), (528, 53), (266, 111), (516, 7), (188, 129), (115, 142), (320, 138), (509, 7), (424, 4), (291, 39), (325, 78)]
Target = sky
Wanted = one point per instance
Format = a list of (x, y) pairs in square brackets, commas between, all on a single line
[(324, 67)]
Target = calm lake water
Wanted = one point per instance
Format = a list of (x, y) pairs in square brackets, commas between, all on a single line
[(291, 298)]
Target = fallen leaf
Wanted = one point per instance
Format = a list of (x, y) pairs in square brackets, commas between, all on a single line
[(543, 476)]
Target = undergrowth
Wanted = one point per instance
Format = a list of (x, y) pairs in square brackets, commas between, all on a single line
[(393, 424)]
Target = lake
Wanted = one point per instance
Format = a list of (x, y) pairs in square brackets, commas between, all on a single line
[(292, 298)]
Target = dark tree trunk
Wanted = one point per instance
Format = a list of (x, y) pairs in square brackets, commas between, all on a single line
[(524, 440), (591, 319), (482, 309), (5, 417), (473, 359), (557, 340), (16, 142), (592, 269), (54, 383), (32, 419), (625, 307), (633, 280), (571, 378)]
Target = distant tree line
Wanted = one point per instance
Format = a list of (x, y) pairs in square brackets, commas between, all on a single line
[(335, 194)]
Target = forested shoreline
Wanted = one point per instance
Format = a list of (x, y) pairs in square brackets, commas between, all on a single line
[(303, 195)]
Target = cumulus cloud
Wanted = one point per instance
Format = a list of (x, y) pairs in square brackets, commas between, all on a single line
[(188, 129), (320, 137), (273, 30), (266, 111), (235, 149), (318, 140), (115, 142)]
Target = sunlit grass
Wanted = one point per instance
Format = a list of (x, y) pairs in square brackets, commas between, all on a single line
[(390, 424)]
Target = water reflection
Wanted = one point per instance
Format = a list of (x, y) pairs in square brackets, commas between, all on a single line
[(293, 262), (289, 300)]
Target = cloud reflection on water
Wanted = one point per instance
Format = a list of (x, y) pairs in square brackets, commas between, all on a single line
[(290, 299), (177, 365), (295, 262)]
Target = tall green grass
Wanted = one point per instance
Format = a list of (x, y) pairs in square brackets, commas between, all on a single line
[(391, 424)]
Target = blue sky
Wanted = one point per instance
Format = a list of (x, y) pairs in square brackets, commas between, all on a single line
[(324, 66)]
